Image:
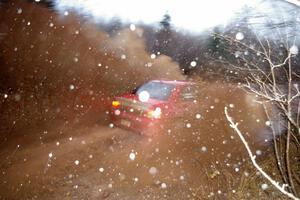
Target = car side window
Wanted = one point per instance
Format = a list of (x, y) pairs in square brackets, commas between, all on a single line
[(188, 93)]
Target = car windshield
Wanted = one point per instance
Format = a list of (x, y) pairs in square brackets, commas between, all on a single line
[(157, 90)]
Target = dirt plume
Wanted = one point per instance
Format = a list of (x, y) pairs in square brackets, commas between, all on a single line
[(64, 65), (205, 151)]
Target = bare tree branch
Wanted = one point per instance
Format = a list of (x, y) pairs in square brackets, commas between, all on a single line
[(277, 185)]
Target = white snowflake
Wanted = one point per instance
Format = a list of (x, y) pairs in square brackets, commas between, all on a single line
[(188, 125), (123, 56), (76, 162), (204, 149), (294, 50), (239, 36), (66, 13), (163, 186), (132, 156), (193, 63), (144, 96), (258, 152), (50, 155), (264, 186), (149, 64), (72, 87), (153, 170), (132, 27), (237, 54), (153, 56), (117, 112), (268, 123), (19, 10), (101, 169)]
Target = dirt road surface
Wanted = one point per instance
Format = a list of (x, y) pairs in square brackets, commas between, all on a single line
[(100, 162), (87, 160)]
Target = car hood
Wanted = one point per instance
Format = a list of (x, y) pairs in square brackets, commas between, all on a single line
[(132, 100)]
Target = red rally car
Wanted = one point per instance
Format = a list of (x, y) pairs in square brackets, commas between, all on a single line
[(147, 108)]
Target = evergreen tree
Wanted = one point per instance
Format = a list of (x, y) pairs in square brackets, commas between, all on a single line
[(164, 36)]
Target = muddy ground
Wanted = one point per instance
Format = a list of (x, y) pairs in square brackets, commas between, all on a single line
[(90, 159), (95, 163)]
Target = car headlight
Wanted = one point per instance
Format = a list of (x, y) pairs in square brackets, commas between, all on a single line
[(156, 114), (116, 104)]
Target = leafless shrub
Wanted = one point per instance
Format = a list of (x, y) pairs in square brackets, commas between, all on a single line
[(271, 73)]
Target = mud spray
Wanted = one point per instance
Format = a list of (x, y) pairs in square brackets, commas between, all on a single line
[(52, 62), (67, 65)]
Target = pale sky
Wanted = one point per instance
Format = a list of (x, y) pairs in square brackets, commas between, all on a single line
[(193, 15)]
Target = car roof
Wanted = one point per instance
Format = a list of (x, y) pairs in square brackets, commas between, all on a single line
[(175, 82)]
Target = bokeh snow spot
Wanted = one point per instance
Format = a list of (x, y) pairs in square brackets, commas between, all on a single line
[(188, 125), (264, 186), (153, 170), (268, 123), (239, 36), (193, 63), (72, 87), (132, 156), (123, 56), (204, 148), (132, 27), (163, 186), (294, 50), (144, 96), (258, 152), (117, 112), (101, 169), (19, 10)]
